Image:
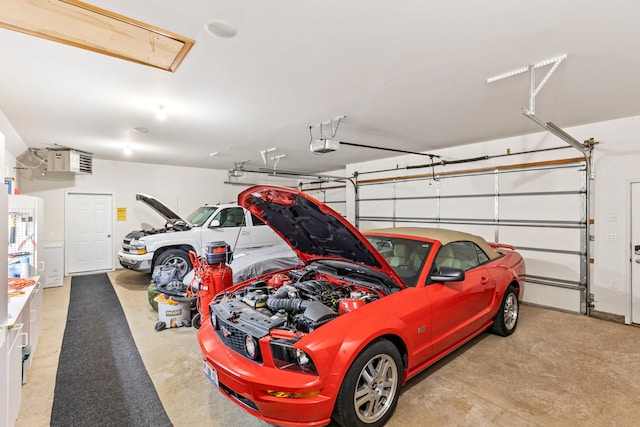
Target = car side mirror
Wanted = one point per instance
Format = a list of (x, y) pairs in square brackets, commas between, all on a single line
[(214, 223), (448, 274)]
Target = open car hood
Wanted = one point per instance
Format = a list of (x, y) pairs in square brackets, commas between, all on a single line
[(160, 207), (311, 228)]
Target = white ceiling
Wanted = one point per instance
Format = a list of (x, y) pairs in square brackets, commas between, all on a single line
[(406, 74)]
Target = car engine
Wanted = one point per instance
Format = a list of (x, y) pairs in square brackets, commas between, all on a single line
[(300, 301)]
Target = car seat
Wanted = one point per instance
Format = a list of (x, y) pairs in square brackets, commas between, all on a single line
[(447, 258), (235, 218), (400, 255)]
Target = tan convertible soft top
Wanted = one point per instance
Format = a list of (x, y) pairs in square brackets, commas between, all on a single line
[(443, 235)]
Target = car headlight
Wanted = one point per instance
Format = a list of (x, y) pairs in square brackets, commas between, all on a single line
[(285, 356)]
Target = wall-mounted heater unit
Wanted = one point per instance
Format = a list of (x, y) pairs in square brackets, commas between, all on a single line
[(70, 161)]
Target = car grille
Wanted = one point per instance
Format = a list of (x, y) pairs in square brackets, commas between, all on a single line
[(234, 338)]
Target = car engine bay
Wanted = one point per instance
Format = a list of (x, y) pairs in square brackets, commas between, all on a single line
[(301, 300)]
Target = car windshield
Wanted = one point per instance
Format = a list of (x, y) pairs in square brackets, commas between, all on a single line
[(200, 215), (405, 256)]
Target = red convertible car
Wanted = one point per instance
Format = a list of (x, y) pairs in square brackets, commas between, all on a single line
[(337, 337)]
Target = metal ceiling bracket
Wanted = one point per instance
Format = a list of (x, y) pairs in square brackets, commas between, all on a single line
[(534, 89), (532, 77), (335, 122)]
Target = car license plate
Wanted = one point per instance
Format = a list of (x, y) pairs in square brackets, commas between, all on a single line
[(210, 373)]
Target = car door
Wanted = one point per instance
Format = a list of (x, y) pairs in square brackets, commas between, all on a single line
[(261, 234), (228, 225), (460, 308)]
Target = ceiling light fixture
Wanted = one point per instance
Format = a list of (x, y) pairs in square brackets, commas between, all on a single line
[(88, 27), (215, 153), (140, 130), (221, 28)]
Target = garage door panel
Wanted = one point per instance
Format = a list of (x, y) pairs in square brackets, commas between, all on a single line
[(566, 179), (422, 188), (475, 184), (549, 296), (480, 208), (485, 231), (564, 267), (376, 191), (547, 207), (422, 208), (376, 208), (565, 239)]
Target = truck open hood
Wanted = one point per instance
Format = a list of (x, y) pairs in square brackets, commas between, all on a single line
[(311, 228), (155, 204)]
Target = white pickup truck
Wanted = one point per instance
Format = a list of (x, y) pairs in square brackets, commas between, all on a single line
[(145, 249)]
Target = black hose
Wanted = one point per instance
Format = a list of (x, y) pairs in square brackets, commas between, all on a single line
[(287, 304)]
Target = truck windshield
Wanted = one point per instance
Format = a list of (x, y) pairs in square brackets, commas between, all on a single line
[(201, 214)]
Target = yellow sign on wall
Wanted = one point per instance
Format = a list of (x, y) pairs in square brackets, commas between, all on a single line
[(121, 214)]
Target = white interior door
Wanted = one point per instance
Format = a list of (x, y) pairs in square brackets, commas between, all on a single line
[(89, 231), (635, 252)]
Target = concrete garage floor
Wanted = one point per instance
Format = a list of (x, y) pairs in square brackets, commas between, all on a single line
[(558, 369)]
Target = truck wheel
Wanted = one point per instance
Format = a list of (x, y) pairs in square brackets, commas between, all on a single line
[(176, 258)]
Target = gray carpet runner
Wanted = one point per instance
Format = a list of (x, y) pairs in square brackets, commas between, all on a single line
[(101, 379)]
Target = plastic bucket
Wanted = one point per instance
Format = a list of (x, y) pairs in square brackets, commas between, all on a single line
[(171, 312)]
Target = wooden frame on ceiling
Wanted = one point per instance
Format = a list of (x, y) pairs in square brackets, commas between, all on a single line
[(88, 27)]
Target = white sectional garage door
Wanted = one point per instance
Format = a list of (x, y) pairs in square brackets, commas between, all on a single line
[(538, 208)]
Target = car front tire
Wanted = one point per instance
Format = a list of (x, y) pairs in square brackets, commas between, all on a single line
[(507, 318), (176, 258), (369, 393)]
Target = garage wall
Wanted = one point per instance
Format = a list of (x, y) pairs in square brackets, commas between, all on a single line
[(182, 189), (615, 164)]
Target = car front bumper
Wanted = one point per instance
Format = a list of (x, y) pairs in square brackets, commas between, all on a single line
[(248, 384), (141, 263)]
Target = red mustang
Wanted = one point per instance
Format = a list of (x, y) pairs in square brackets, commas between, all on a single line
[(338, 337)]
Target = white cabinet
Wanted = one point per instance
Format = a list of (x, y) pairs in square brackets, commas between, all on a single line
[(21, 333), (32, 320), (17, 340), (52, 259)]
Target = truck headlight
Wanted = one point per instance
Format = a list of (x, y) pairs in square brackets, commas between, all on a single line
[(137, 247), (285, 356)]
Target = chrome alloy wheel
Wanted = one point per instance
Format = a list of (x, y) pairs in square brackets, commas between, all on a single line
[(511, 311), (179, 263), (376, 387)]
